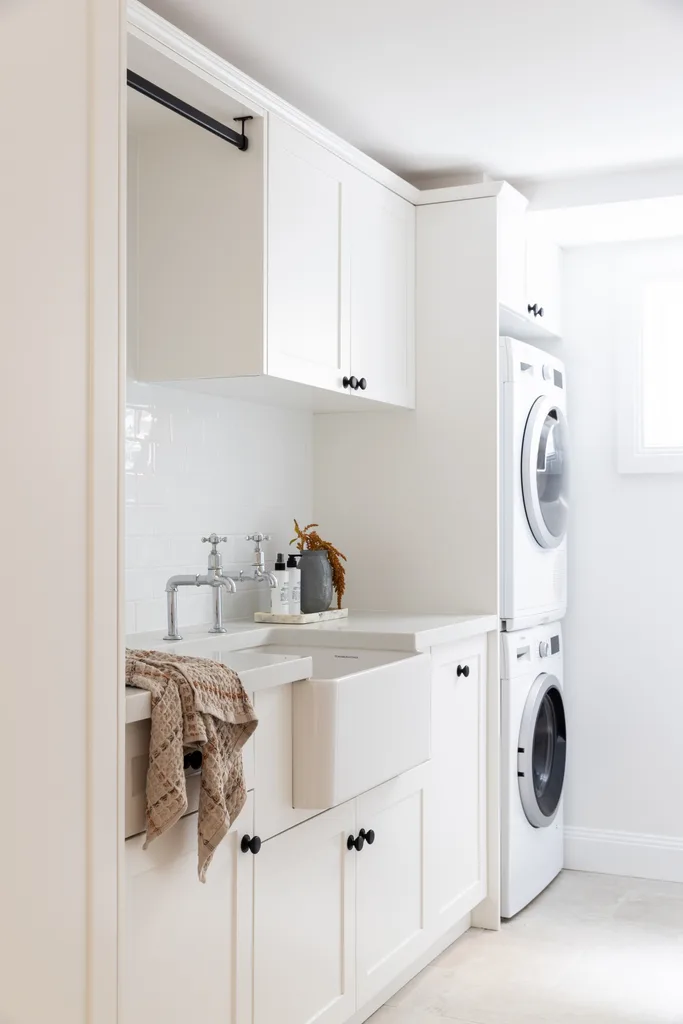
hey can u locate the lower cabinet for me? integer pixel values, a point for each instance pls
(188, 946)
(304, 907)
(391, 914)
(456, 833)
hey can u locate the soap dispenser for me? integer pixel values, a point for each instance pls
(279, 595)
(294, 585)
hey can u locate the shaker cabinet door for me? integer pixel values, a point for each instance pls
(188, 945)
(304, 905)
(382, 292)
(308, 331)
(392, 918)
(457, 812)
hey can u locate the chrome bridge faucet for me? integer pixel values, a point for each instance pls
(214, 578)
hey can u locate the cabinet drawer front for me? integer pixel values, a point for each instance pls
(304, 902)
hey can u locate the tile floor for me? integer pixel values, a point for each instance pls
(592, 948)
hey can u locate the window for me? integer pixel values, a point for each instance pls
(652, 413)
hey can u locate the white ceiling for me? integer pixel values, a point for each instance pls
(526, 89)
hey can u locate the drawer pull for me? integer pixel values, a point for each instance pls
(356, 844)
(368, 836)
(249, 845)
(463, 670)
(193, 760)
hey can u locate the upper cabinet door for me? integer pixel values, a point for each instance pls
(543, 280)
(512, 250)
(382, 292)
(307, 315)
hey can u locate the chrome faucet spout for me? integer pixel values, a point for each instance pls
(213, 578)
(264, 574)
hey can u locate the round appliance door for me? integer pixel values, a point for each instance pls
(544, 472)
(542, 751)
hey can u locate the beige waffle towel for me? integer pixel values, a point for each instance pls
(197, 704)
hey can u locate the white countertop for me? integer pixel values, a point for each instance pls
(257, 671)
(371, 630)
(238, 646)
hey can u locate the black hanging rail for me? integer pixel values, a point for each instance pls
(166, 99)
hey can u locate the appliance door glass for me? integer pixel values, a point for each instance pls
(545, 464)
(542, 751)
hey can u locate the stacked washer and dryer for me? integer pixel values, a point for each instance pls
(533, 599)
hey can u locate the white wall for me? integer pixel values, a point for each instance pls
(624, 635)
(59, 90)
(198, 463)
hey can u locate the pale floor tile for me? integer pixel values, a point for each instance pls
(592, 948)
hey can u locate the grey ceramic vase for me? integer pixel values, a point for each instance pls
(316, 582)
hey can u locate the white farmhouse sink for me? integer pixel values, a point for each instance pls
(363, 718)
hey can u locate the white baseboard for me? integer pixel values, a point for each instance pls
(624, 853)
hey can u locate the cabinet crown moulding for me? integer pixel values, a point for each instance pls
(163, 37)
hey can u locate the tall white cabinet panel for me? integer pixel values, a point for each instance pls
(188, 945)
(456, 869)
(308, 330)
(391, 915)
(304, 902)
(382, 292)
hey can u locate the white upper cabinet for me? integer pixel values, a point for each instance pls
(543, 269)
(278, 273)
(528, 272)
(382, 292)
(308, 260)
(512, 250)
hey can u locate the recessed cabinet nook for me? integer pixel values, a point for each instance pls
(296, 271)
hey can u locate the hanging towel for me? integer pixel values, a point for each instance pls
(197, 704)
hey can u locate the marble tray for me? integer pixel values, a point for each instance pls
(303, 619)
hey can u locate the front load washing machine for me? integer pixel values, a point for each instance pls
(533, 492)
(533, 758)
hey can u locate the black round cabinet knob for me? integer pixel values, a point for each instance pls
(356, 844)
(368, 836)
(346, 381)
(532, 309)
(541, 311)
(362, 383)
(463, 670)
(250, 845)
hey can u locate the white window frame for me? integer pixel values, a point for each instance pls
(633, 455)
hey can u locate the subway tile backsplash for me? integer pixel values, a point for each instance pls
(197, 463)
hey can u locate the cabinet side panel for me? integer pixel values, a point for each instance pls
(200, 271)
(412, 497)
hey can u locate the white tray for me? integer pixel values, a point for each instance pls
(301, 620)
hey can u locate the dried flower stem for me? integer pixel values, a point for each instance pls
(309, 539)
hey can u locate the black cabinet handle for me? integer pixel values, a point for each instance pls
(356, 844)
(532, 309)
(368, 836)
(346, 381)
(350, 382)
(362, 383)
(463, 670)
(541, 311)
(249, 845)
(193, 760)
